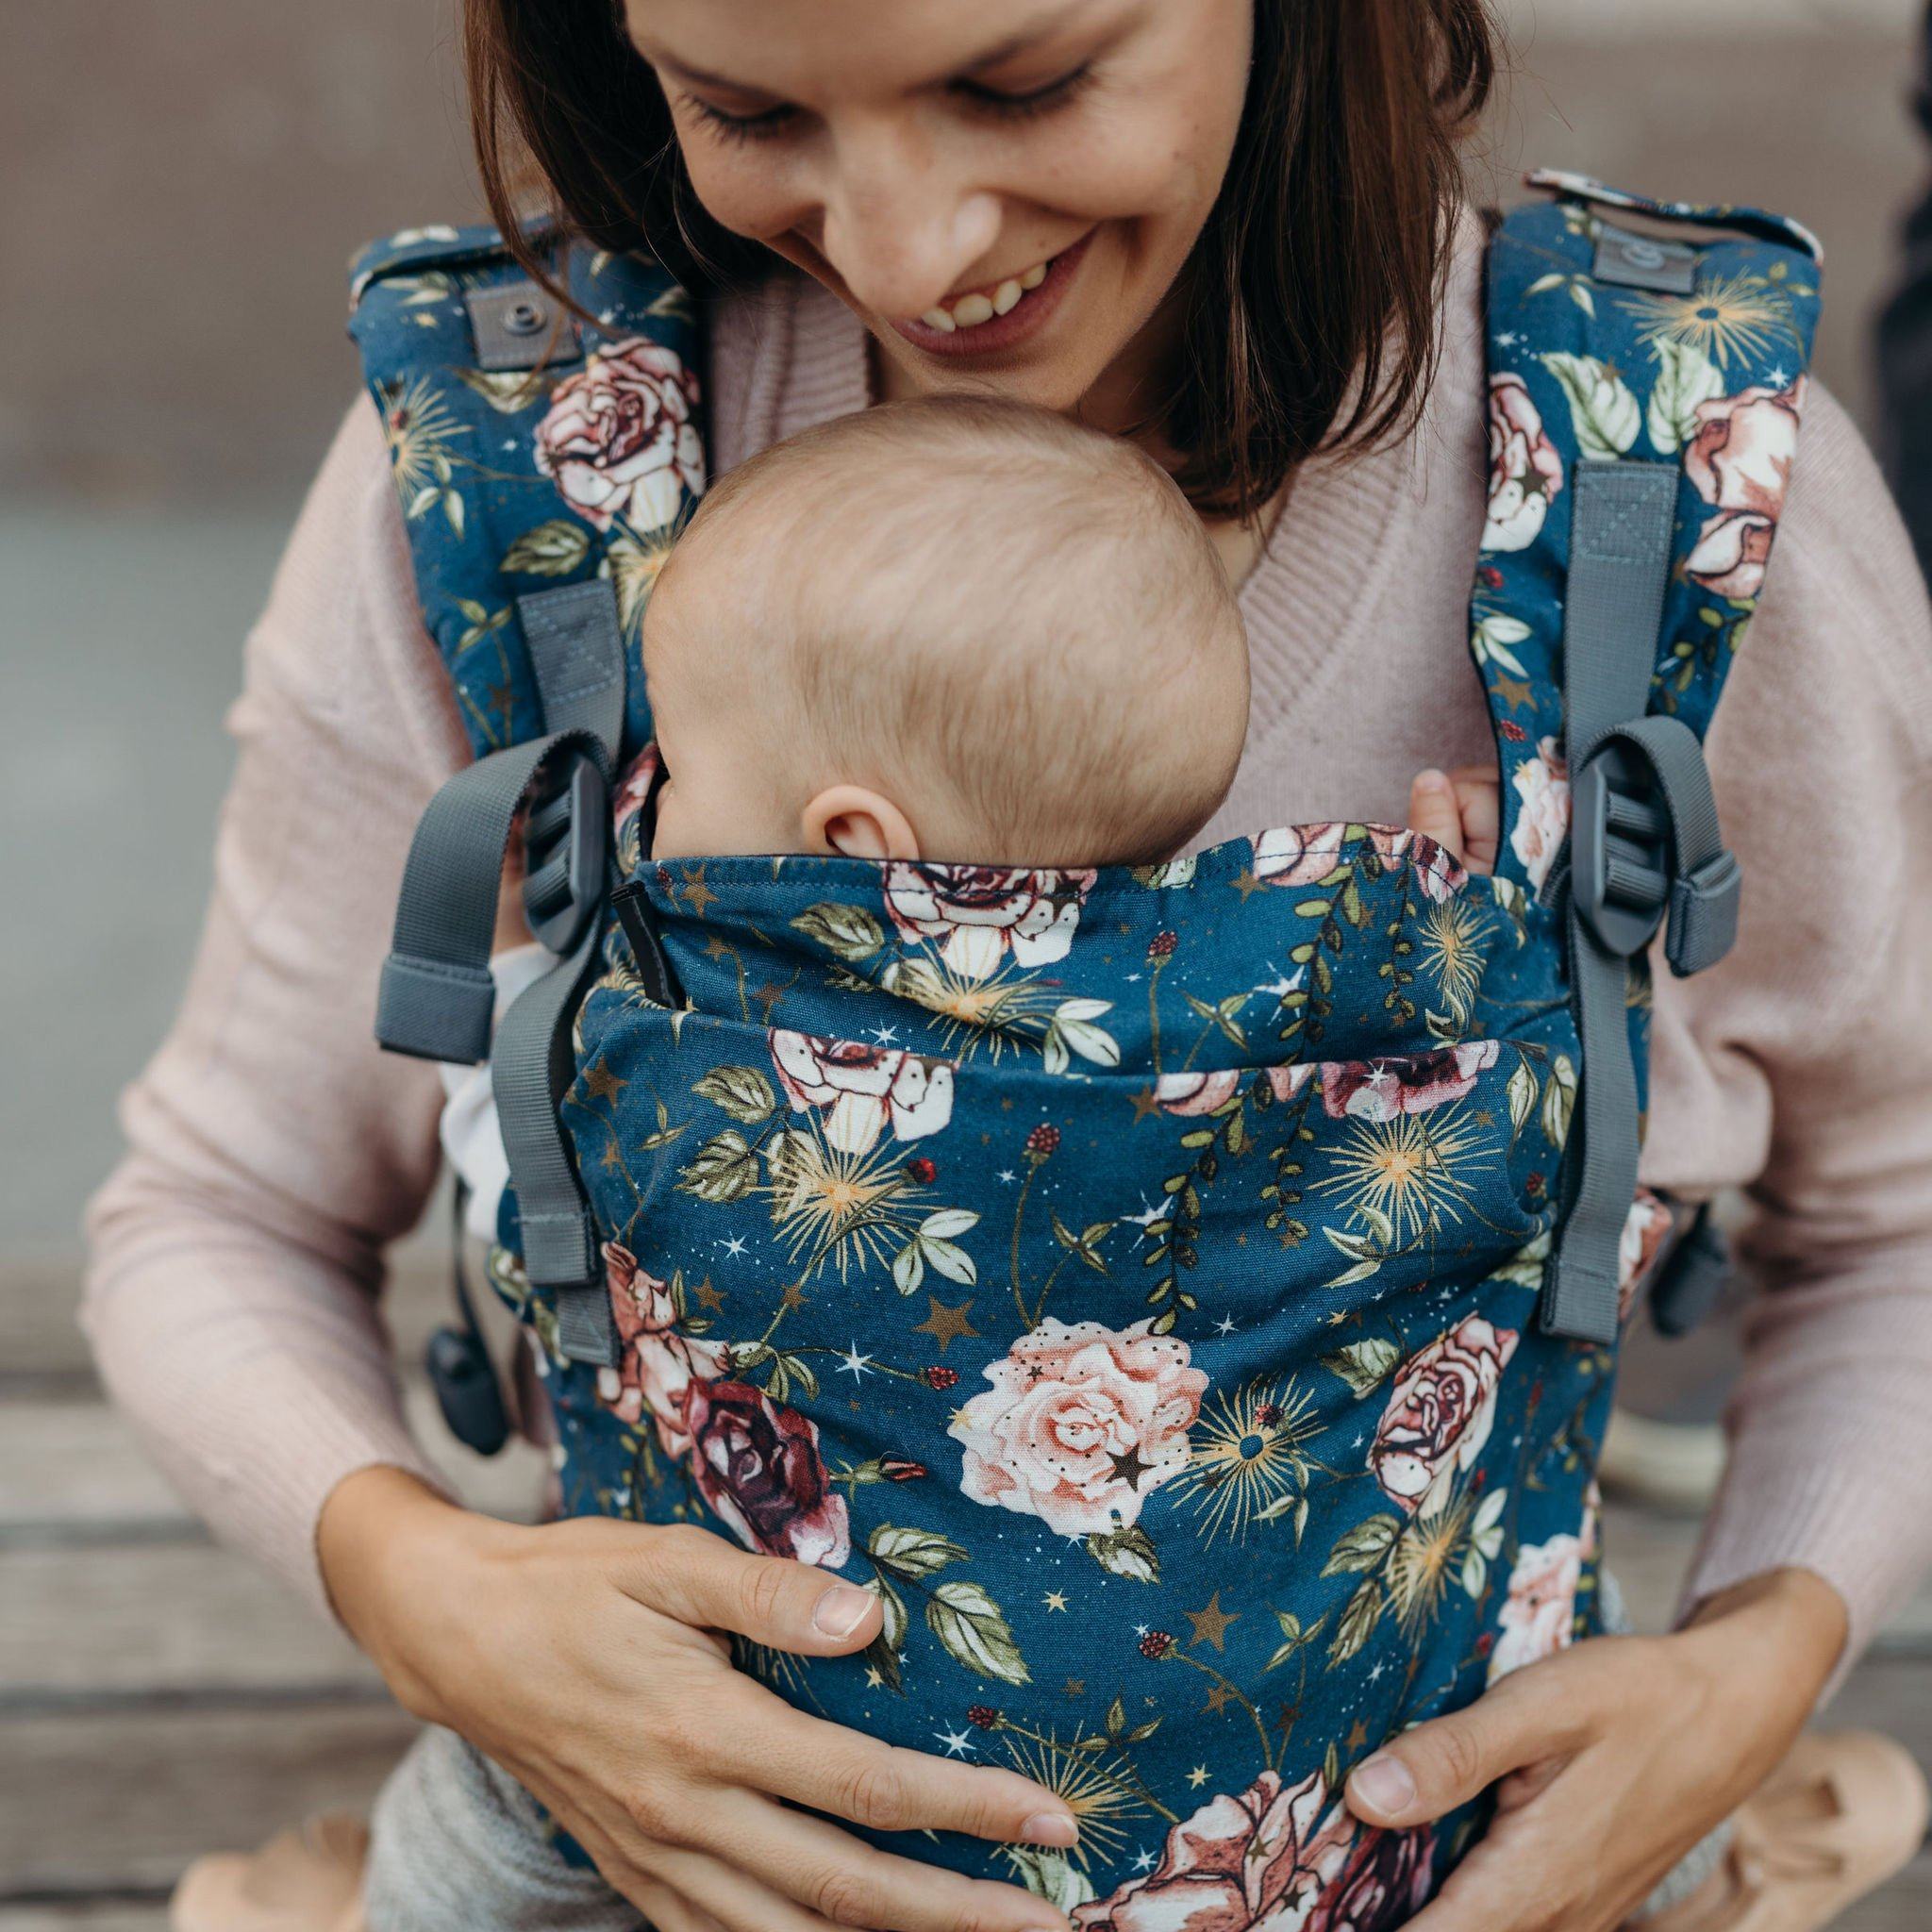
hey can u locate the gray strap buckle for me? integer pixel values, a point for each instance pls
(1645, 848)
(566, 849)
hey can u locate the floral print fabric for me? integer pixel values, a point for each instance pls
(1130, 1277)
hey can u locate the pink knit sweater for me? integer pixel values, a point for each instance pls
(238, 1249)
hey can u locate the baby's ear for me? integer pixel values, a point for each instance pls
(857, 823)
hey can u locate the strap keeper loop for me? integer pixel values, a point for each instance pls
(1703, 922)
(435, 1009)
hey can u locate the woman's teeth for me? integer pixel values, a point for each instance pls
(969, 311)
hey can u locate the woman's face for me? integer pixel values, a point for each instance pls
(1004, 191)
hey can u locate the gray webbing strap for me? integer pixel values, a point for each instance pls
(1620, 557)
(437, 996)
(529, 1072)
(576, 651)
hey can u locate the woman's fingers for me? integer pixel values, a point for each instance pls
(831, 1769)
(1540, 1713)
(698, 1579)
(835, 1877)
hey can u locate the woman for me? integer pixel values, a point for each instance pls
(1248, 214)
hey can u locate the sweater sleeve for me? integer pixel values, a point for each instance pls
(272, 1150)
(1819, 1026)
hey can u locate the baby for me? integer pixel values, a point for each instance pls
(959, 630)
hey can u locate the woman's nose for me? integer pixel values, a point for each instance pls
(899, 232)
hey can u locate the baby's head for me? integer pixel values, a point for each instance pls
(951, 629)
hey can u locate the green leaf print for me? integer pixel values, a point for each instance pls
(743, 1092)
(975, 1632)
(723, 1170)
(1358, 1621)
(1606, 414)
(1363, 1364)
(550, 550)
(1559, 1100)
(1126, 1552)
(911, 1553)
(1362, 1547)
(1522, 1094)
(847, 932)
(1686, 378)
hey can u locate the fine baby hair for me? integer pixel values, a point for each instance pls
(1013, 627)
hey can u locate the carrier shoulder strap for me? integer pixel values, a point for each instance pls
(1646, 377)
(543, 462)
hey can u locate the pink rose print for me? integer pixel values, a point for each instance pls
(1298, 855)
(862, 1091)
(1740, 460)
(979, 915)
(1644, 1229)
(1081, 1423)
(757, 1466)
(1291, 856)
(633, 787)
(1384, 1884)
(1384, 1090)
(619, 440)
(1439, 1413)
(1249, 1862)
(1540, 1615)
(656, 1364)
(1525, 471)
(1543, 813)
(1187, 1095)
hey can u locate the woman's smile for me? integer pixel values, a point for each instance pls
(998, 315)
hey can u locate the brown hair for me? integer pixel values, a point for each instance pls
(1309, 305)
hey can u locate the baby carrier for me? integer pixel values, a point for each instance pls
(1187, 1296)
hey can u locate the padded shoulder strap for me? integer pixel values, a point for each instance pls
(542, 466)
(1645, 391)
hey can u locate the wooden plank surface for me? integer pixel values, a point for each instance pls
(116, 1804)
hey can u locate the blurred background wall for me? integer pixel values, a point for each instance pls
(182, 185)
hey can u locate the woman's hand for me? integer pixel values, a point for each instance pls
(1612, 1758)
(586, 1659)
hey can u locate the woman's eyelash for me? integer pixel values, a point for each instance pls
(1040, 100)
(741, 127)
(1004, 107)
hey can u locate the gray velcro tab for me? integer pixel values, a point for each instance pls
(1641, 261)
(520, 326)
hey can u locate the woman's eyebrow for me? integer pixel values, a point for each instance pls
(1041, 28)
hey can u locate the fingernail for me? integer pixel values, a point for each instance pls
(1050, 1828)
(839, 1611)
(1431, 778)
(1385, 1783)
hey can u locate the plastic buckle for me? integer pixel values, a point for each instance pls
(1620, 849)
(567, 848)
(1692, 1279)
(1703, 922)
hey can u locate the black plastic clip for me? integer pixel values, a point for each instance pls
(1693, 1275)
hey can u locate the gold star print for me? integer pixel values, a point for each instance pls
(767, 996)
(698, 895)
(1359, 1737)
(1483, 1117)
(1515, 693)
(602, 1084)
(794, 1297)
(715, 948)
(710, 1297)
(1245, 883)
(614, 1159)
(1145, 1102)
(1055, 1600)
(944, 1324)
(1217, 1699)
(873, 1680)
(1210, 1625)
(1077, 1687)
(1198, 1777)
